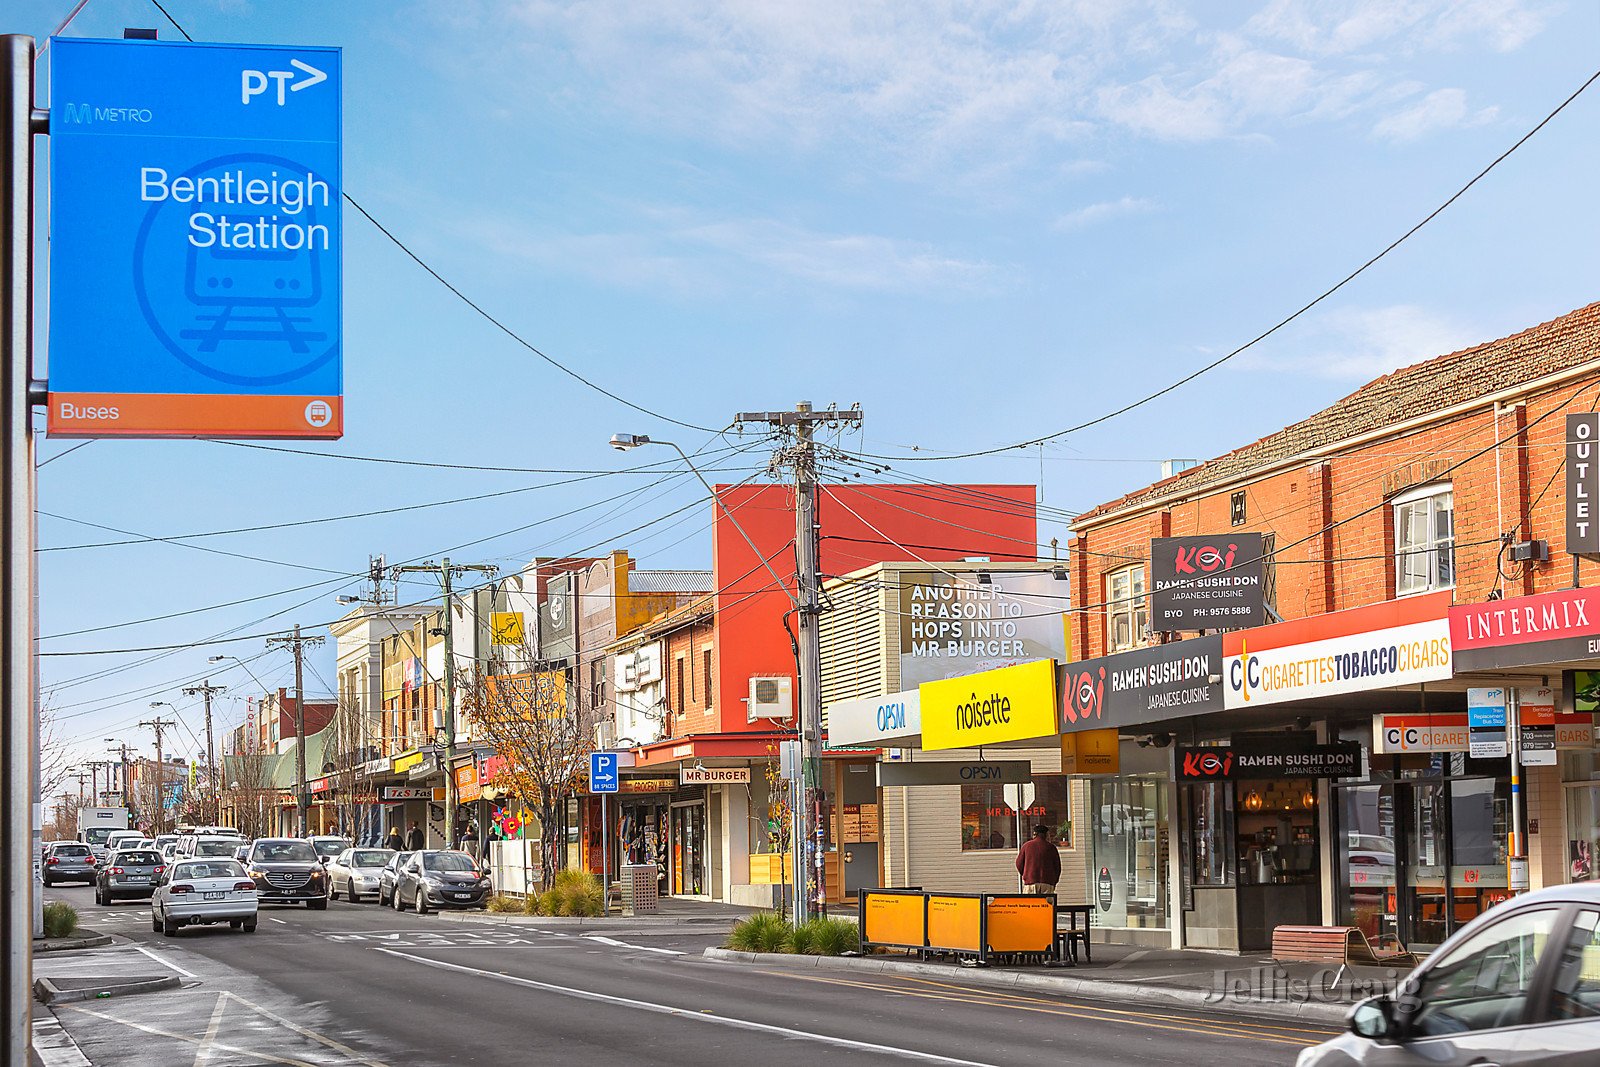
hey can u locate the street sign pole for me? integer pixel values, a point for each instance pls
(17, 678)
(605, 855)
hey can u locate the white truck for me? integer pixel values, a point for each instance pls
(97, 824)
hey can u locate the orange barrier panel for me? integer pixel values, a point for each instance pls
(898, 919)
(955, 923)
(1021, 924)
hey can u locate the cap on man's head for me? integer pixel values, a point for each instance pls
(1041, 830)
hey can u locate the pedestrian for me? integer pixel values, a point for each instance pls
(469, 840)
(414, 839)
(1039, 863)
(393, 840)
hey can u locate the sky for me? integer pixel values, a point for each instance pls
(982, 222)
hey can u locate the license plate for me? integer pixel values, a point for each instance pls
(462, 896)
(136, 878)
(213, 896)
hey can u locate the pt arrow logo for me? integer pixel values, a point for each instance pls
(253, 83)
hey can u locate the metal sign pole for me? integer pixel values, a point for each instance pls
(605, 855)
(17, 729)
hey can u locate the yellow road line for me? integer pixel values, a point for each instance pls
(1089, 1012)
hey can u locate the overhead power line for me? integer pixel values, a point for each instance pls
(1263, 335)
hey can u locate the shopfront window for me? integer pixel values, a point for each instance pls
(1209, 819)
(988, 821)
(1129, 819)
(1583, 815)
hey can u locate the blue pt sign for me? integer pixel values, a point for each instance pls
(195, 240)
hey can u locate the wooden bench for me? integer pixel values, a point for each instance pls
(1343, 945)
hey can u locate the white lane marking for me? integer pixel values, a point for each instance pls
(303, 1032)
(683, 1013)
(158, 1032)
(280, 922)
(204, 1051)
(165, 962)
(624, 944)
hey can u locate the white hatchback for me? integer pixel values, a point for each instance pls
(203, 892)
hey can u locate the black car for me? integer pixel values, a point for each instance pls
(440, 878)
(287, 870)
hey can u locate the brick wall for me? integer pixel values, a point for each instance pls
(1334, 525)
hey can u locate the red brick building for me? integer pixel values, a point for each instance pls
(1390, 521)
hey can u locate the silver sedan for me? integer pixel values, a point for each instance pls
(355, 872)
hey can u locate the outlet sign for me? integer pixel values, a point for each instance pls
(195, 240)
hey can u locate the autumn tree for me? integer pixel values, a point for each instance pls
(247, 788)
(542, 742)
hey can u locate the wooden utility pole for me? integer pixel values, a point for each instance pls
(206, 689)
(159, 725)
(297, 644)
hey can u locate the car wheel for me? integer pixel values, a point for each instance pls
(234, 924)
(169, 928)
(155, 921)
(49, 880)
(333, 889)
(249, 926)
(318, 905)
(395, 899)
(353, 896)
(422, 901)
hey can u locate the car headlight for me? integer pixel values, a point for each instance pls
(434, 880)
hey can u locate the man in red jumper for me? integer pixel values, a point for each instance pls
(1039, 863)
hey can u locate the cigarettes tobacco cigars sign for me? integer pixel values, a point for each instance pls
(1398, 642)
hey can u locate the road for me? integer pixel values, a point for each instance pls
(358, 984)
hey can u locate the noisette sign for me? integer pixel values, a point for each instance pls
(1006, 704)
(195, 236)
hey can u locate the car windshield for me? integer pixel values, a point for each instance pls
(399, 859)
(165, 839)
(72, 850)
(137, 859)
(370, 857)
(449, 861)
(285, 852)
(96, 835)
(330, 846)
(214, 848)
(209, 869)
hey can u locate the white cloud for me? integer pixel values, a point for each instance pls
(1442, 109)
(1360, 344)
(1342, 27)
(694, 257)
(1092, 214)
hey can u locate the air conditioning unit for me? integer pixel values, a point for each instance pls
(605, 735)
(771, 698)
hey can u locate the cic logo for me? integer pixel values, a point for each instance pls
(1244, 673)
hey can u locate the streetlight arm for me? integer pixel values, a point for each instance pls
(626, 441)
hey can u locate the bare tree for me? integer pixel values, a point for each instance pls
(53, 756)
(543, 743)
(347, 751)
(63, 824)
(247, 787)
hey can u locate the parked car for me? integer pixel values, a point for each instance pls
(328, 846)
(69, 861)
(440, 878)
(202, 892)
(129, 872)
(169, 851)
(355, 871)
(242, 853)
(390, 875)
(287, 870)
(1520, 984)
(163, 840)
(206, 846)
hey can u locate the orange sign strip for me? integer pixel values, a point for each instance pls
(194, 415)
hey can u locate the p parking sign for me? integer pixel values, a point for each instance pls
(195, 214)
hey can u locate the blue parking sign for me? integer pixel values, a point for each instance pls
(195, 253)
(603, 777)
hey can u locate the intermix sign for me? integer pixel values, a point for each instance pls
(195, 222)
(1399, 642)
(1207, 583)
(1545, 628)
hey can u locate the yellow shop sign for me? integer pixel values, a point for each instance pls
(1006, 704)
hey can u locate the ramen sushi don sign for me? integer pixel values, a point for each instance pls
(195, 195)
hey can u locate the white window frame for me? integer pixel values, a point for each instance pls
(1432, 548)
(1130, 602)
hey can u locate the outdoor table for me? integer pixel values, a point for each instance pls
(1067, 939)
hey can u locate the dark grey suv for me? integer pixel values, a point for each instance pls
(287, 870)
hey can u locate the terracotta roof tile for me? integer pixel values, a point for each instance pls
(1569, 341)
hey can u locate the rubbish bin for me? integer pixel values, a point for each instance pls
(639, 887)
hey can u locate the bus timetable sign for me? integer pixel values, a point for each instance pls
(195, 285)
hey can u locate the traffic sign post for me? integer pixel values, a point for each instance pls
(604, 779)
(195, 212)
